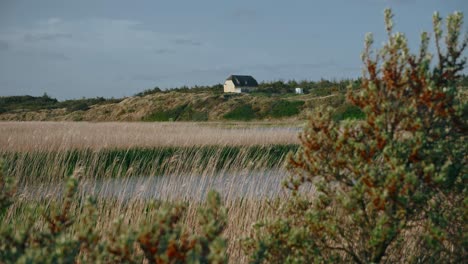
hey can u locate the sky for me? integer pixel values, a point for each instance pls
(113, 48)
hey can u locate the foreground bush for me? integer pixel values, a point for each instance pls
(60, 237)
(392, 187)
(347, 111)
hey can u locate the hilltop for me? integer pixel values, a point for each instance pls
(272, 101)
(179, 106)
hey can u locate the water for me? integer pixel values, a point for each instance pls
(231, 185)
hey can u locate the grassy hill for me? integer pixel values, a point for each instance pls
(177, 106)
(272, 101)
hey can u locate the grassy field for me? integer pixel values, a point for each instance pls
(132, 167)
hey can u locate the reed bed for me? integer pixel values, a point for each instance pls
(170, 175)
(130, 167)
(249, 182)
(48, 136)
(116, 163)
(248, 194)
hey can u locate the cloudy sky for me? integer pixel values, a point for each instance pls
(113, 48)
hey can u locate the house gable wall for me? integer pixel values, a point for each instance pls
(229, 87)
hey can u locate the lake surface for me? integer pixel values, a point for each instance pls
(231, 185)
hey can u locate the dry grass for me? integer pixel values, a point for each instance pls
(29, 136)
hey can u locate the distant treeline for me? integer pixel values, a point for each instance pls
(322, 87)
(317, 88)
(34, 103)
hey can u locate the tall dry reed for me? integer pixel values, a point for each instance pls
(27, 136)
(239, 162)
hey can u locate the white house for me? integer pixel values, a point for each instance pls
(299, 90)
(240, 84)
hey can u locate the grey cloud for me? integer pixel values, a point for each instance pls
(163, 51)
(46, 36)
(244, 13)
(56, 56)
(52, 21)
(44, 55)
(3, 45)
(187, 42)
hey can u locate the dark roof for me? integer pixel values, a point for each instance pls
(243, 80)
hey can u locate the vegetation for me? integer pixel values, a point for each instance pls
(25, 107)
(123, 183)
(50, 137)
(178, 106)
(123, 178)
(216, 89)
(275, 99)
(278, 109)
(118, 163)
(243, 112)
(390, 188)
(348, 111)
(317, 88)
(163, 240)
(322, 87)
(180, 113)
(168, 115)
(12, 103)
(283, 108)
(380, 179)
(280, 87)
(31, 103)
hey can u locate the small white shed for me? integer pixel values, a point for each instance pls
(299, 90)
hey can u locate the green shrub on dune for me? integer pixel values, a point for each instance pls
(242, 112)
(283, 108)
